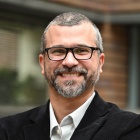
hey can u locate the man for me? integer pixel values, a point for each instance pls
(71, 60)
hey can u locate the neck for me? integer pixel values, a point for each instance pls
(63, 106)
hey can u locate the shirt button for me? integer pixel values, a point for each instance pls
(58, 131)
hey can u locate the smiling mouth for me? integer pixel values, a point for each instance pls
(70, 74)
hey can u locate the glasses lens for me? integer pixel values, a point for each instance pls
(56, 53)
(82, 52)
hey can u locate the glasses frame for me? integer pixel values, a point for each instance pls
(71, 49)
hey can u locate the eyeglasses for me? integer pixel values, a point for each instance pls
(79, 53)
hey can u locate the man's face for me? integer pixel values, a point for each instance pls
(71, 77)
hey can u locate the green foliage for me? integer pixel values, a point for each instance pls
(8, 83)
(31, 92)
(28, 92)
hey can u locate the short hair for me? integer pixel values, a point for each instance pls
(71, 19)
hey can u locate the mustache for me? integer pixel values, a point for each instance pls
(82, 71)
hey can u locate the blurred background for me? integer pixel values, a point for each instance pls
(22, 23)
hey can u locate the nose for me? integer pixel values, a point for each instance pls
(70, 61)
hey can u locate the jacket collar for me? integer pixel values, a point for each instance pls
(94, 117)
(40, 127)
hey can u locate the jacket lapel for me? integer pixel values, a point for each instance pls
(40, 128)
(93, 119)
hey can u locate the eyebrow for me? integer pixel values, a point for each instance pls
(78, 45)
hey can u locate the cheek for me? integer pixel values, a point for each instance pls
(50, 67)
(91, 67)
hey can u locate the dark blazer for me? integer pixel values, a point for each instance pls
(102, 121)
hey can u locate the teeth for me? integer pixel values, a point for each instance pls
(70, 74)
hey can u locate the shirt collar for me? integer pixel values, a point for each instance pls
(53, 121)
(76, 118)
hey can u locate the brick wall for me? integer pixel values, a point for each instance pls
(114, 79)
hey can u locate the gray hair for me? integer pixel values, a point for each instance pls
(71, 19)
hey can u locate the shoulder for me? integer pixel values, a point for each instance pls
(118, 113)
(121, 124)
(24, 116)
(113, 112)
(118, 116)
(127, 122)
(12, 125)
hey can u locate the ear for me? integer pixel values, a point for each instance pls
(41, 62)
(101, 61)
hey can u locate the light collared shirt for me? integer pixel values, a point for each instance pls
(65, 129)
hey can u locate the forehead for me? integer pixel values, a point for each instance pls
(83, 33)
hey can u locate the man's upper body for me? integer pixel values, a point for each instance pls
(71, 60)
(101, 121)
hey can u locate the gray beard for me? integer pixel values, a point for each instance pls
(70, 88)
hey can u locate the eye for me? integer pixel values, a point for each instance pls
(57, 51)
(82, 51)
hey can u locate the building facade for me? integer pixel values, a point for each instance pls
(21, 27)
